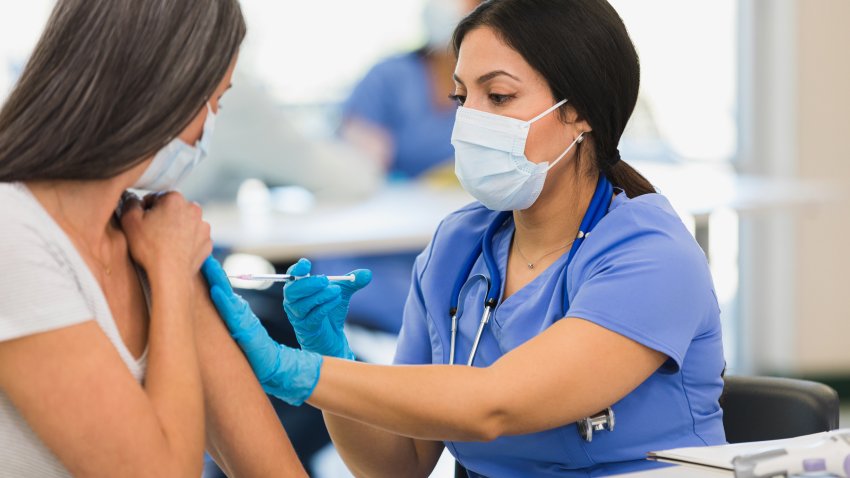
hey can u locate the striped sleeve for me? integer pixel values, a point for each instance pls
(39, 291)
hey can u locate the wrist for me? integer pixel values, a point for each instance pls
(167, 277)
(171, 286)
(296, 376)
(325, 343)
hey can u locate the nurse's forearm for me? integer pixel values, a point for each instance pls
(554, 379)
(368, 451)
(433, 402)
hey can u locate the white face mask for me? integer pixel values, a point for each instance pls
(490, 159)
(177, 159)
(441, 17)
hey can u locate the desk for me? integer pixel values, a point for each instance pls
(397, 218)
(404, 217)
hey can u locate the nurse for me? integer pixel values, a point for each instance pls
(575, 287)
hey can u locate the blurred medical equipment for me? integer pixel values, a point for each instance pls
(828, 457)
(255, 139)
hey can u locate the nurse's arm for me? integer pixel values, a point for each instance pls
(572, 370)
(243, 433)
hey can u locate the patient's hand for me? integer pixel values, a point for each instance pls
(166, 235)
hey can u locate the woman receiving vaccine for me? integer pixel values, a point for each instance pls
(113, 361)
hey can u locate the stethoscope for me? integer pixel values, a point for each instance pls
(597, 209)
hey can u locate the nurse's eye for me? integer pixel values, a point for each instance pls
(498, 99)
(459, 99)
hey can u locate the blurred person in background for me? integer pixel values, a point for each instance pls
(401, 116)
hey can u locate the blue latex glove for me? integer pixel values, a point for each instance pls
(317, 309)
(289, 374)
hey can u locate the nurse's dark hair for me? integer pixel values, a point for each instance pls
(582, 49)
(110, 82)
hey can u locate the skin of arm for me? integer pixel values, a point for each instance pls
(372, 452)
(243, 433)
(78, 396)
(523, 392)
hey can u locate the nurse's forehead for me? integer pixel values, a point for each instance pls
(483, 51)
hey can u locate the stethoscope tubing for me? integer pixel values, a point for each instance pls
(597, 209)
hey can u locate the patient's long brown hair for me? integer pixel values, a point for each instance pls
(112, 81)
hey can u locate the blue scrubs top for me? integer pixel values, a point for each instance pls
(639, 273)
(397, 95)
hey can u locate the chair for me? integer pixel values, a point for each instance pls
(770, 408)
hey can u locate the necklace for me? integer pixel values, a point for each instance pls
(105, 266)
(530, 264)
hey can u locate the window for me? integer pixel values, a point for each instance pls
(20, 27)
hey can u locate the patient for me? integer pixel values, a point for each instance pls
(112, 360)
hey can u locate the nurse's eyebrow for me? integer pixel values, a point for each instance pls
(489, 76)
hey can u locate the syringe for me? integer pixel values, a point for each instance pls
(287, 277)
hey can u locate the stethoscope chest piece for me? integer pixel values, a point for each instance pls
(603, 420)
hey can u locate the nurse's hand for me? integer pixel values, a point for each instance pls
(286, 373)
(317, 309)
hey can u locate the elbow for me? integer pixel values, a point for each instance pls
(489, 423)
(489, 410)
(483, 433)
(491, 427)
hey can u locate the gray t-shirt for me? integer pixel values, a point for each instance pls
(44, 285)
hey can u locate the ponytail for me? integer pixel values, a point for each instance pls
(628, 179)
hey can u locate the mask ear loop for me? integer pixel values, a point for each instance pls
(553, 108)
(579, 139)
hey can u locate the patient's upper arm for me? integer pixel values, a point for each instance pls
(244, 434)
(78, 396)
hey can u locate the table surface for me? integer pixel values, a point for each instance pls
(403, 217)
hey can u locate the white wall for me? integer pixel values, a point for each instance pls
(795, 122)
(822, 343)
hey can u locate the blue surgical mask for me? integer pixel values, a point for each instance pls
(490, 159)
(177, 159)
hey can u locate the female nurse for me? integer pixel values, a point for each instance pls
(575, 287)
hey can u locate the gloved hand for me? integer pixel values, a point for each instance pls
(289, 374)
(317, 309)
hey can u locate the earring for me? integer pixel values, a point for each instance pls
(580, 138)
